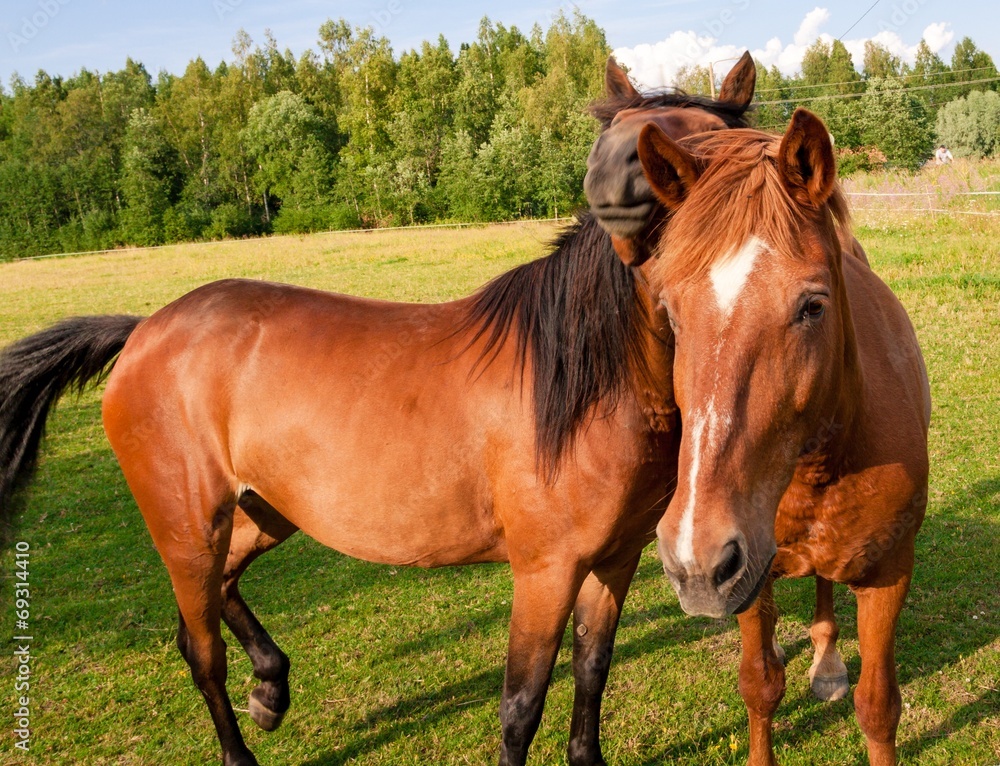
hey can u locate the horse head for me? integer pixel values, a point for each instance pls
(749, 271)
(616, 188)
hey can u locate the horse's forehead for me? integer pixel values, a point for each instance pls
(756, 275)
(730, 274)
(676, 121)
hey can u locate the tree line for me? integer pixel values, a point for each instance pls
(345, 136)
(350, 135)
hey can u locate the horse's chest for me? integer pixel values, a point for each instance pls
(824, 532)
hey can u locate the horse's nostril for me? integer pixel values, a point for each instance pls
(732, 562)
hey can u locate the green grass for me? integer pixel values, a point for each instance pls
(405, 666)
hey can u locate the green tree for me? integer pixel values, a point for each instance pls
(147, 180)
(693, 78)
(284, 137)
(241, 85)
(897, 123)
(816, 64)
(880, 62)
(843, 76)
(424, 106)
(970, 125)
(500, 61)
(190, 110)
(929, 70)
(772, 86)
(458, 189)
(507, 169)
(969, 64)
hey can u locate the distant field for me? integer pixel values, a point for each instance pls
(965, 188)
(405, 667)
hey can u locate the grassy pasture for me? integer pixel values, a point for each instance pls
(404, 666)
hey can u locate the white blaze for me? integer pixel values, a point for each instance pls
(685, 537)
(729, 275)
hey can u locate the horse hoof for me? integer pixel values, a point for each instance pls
(244, 758)
(830, 688)
(262, 715)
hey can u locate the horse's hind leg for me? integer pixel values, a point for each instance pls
(595, 622)
(828, 674)
(193, 543)
(257, 528)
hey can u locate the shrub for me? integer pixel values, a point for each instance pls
(861, 160)
(185, 222)
(970, 125)
(230, 220)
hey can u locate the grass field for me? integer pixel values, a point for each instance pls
(404, 666)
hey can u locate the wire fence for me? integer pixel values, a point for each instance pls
(272, 237)
(934, 201)
(936, 198)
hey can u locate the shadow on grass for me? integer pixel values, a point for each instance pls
(412, 717)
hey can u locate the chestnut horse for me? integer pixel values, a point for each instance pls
(532, 422)
(805, 405)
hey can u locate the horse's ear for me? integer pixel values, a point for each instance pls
(669, 169)
(805, 160)
(616, 82)
(739, 84)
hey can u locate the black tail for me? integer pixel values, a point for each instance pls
(34, 373)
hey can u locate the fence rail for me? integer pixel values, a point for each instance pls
(931, 196)
(421, 227)
(269, 237)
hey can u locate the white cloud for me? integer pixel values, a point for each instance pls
(938, 36)
(657, 64)
(811, 25)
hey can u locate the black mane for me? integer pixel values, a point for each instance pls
(577, 313)
(734, 115)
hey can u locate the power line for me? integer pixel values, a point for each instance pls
(899, 77)
(859, 95)
(859, 20)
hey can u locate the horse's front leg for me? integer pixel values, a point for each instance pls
(543, 599)
(877, 700)
(762, 674)
(595, 622)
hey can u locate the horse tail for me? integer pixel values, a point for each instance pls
(36, 371)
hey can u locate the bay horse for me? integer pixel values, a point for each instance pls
(805, 407)
(532, 422)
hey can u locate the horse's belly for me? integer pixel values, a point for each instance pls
(405, 502)
(422, 532)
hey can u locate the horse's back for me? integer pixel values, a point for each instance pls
(352, 417)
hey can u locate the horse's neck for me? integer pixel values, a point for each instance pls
(654, 385)
(840, 428)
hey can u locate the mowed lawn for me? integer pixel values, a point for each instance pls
(396, 666)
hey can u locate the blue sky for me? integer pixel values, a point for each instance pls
(653, 38)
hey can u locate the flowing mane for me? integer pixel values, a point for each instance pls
(734, 115)
(577, 314)
(740, 189)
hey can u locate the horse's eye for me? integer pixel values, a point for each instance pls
(813, 310)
